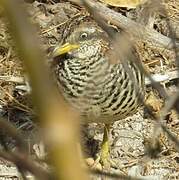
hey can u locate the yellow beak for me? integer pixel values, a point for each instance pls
(64, 49)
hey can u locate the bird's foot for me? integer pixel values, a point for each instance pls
(104, 157)
(104, 163)
(103, 160)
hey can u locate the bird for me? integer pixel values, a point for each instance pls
(101, 91)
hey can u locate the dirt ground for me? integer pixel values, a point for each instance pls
(132, 137)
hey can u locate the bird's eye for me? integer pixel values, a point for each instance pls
(84, 35)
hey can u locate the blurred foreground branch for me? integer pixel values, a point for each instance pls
(11, 131)
(25, 163)
(60, 124)
(20, 158)
(138, 30)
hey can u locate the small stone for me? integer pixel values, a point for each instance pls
(98, 167)
(89, 161)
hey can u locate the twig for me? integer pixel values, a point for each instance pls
(25, 163)
(12, 132)
(114, 175)
(14, 79)
(58, 25)
(21, 106)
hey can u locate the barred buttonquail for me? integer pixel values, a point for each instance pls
(102, 92)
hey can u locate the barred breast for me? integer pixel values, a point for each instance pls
(100, 91)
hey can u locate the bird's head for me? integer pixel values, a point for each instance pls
(85, 41)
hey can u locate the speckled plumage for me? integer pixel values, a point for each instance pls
(101, 91)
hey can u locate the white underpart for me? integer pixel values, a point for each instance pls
(85, 51)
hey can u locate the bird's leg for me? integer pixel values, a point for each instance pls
(104, 156)
(105, 147)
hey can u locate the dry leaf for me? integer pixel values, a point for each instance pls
(123, 3)
(174, 117)
(153, 102)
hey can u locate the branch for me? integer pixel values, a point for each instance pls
(139, 31)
